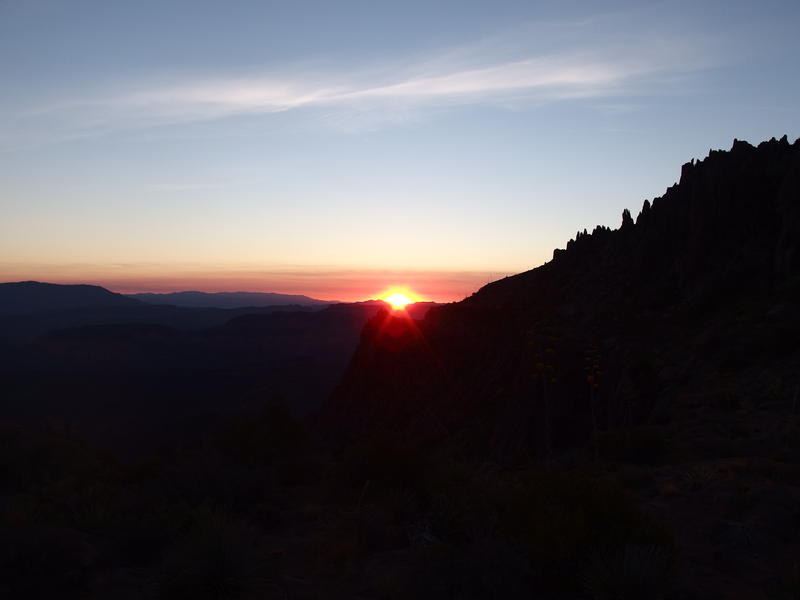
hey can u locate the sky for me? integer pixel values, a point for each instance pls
(336, 149)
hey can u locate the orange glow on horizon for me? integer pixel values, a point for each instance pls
(343, 284)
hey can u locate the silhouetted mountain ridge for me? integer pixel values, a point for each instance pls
(662, 355)
(730, 223)
(193, 299)
(707, 274)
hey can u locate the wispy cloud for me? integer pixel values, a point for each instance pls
(551, 77)
(479, 75)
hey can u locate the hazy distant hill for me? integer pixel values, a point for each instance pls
(16, 328)
(228, 299)
(136, 370)
(27, 297)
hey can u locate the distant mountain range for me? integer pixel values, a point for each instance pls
(28, 297)
(64, 347)
(193, 299)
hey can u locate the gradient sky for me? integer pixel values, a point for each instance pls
(337, 148)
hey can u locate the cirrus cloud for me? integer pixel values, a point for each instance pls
(624, 66)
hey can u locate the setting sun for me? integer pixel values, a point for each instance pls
(399, 298)
(398, 301)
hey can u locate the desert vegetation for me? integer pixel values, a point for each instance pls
(265, 508)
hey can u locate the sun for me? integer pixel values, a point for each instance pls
(399, 298)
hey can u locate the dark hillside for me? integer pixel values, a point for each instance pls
(140, 376)
(663, 355)
(707, 275)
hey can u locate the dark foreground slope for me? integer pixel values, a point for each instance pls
(664, 355)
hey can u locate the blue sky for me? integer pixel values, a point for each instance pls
(333, 148)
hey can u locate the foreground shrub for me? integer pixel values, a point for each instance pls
(32, 456)
(261, 438)
(43, 562)
(639, 446)
(479, 571)
(561, 521)
(381, 466)
(219, 559)
(629, 573)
